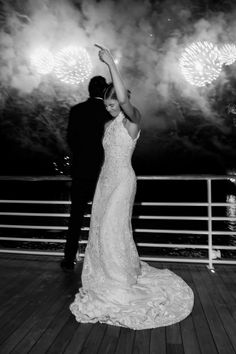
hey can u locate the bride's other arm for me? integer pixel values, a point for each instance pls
(121, 91)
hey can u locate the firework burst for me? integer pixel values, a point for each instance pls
(72, 65)
(200, 63)
(228, 54)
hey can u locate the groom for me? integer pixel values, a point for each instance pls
(84, 136)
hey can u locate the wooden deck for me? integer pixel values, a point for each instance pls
(34, 315)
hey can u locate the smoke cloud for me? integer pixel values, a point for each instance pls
(146, 38)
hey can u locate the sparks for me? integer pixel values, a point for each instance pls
(72, 65)
(117, 57)
(200, 63)
(228, 54)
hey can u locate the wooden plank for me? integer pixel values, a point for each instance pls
(203, 333)
(23, 298)
(180, 336)
(228, 296)
(28, 314)
(34, 325)
(188, 331)
(28, 262)
(110, 340)
(174, 340)
(21, 325)
(78, 339)
(64, 337)
(224, 313)
(12, 283)
(20, 280)
(158, 340)
(11, 275)
(51, 328)
(215, 324)
(142, 341)
(19, 299)
(7, 276)
(94, 339)
(46, 304)
(158, 335)
(228, 279)
(51, 331)
(24, 273)
(189, 337)
(125, 341)
(30, 331)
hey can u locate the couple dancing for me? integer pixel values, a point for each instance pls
(118, 288)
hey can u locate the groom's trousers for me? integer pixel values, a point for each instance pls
(82, 192)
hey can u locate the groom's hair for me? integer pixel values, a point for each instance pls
(97, 86)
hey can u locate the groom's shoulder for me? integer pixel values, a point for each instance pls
(89, 109)
(89, 104)
(80, 105)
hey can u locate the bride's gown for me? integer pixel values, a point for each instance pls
(117, 288)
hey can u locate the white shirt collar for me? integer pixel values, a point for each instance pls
(98, 98)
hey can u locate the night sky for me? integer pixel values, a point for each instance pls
(185, 129)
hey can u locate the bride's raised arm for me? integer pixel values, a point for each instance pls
(121, 91)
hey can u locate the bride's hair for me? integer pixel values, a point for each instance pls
(110, 92)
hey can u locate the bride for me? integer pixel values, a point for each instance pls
(118, 288)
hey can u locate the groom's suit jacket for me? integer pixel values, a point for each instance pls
(84, 136)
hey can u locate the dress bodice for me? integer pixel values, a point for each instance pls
(117, 142)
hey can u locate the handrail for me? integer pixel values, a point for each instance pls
(65, 178)
(19, 201)
(209, 204)
(147, 217)
(68, 202)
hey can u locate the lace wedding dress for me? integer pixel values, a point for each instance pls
(117, 288)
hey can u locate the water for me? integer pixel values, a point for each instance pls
(231, 212)
(189, 192)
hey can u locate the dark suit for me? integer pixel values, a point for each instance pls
(85, 132)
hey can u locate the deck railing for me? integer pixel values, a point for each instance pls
(210, 233)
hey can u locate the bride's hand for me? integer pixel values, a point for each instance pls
(105, 55)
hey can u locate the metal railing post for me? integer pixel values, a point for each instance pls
(209, 201)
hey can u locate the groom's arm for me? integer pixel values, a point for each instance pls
(69, 136)
(74, 128)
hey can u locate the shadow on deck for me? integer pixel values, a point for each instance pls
(34, 315)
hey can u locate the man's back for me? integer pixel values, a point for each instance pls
(85, 132)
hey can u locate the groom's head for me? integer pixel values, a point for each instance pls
(97, 86)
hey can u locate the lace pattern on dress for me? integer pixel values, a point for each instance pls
(117, 288)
